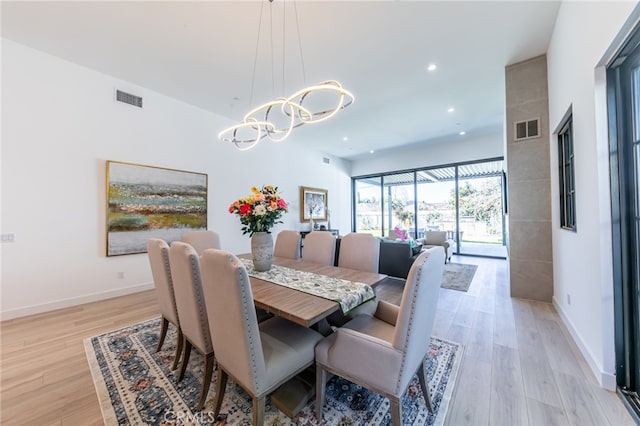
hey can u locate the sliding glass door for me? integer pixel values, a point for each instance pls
(480, 216)
(399, 204)
(623, 79)
(437, 201)
(465, 200)
(367, 200)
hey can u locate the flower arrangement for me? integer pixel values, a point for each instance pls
(259, 211)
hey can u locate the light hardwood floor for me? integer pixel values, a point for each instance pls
(519, 365)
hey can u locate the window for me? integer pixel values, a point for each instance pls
(623, 81)
(462, 199)
(566, 176)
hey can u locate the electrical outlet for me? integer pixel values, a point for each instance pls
(568, 299)
(8, 238)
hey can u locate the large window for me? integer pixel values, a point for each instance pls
(463, 199)
(367, 196)
(436, 201)
(566, 176)
(399, 202)
(623, 81)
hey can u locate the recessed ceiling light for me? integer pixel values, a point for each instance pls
(462, 133)
(345, 138)
(431, 67)
(451, 109)
(371, 152)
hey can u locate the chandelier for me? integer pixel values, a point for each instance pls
(277, 119)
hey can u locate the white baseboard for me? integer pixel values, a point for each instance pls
(74, 301)
(605, 380)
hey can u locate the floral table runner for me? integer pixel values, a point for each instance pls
(349, 294)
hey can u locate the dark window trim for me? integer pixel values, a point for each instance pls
(625, 283)
(419, 169)
(566, 174)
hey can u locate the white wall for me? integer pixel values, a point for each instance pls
(59, 126)
(431, 154)
(584, 31)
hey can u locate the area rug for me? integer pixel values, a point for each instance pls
(136, 386)
(458, 276)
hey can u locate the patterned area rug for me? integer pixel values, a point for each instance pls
(136, 386)
(458, 276)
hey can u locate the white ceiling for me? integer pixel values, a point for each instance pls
(202, 52)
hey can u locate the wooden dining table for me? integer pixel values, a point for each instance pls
(297, 306)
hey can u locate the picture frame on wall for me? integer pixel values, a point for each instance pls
(152, 202)
(314, 204)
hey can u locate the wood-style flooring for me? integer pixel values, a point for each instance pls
(520, 367)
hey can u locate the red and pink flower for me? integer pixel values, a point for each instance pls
(259, 211)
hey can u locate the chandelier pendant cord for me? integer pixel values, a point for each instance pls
(292, 109)
(304, 73)
(255, 56)
(284, 44)
(273, 71)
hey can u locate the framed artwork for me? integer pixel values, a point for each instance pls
(151, 202)
(313, 204)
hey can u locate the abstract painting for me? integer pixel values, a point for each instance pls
(151, 202)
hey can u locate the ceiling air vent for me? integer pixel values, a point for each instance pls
(128, 98)
(326, 160)
(527, 129)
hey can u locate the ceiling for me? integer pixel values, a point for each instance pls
(203, 53)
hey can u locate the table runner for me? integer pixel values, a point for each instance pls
(349, 294)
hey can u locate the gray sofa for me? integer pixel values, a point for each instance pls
(396, 258)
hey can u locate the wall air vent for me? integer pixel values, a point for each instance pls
(527, 129)
(128, 98)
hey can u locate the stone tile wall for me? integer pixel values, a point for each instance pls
(528, 182)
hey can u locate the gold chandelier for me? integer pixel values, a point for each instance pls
(276, 119)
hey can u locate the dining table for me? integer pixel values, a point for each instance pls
(299, 306)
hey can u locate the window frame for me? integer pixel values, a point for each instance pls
(414, 171)
(566, 175)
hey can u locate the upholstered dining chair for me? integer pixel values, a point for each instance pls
(202, 240)
(287, 245)
(185, 269)
(158, 251)
(319, 247)
(259, 357)
(394, 342)
(359, 251)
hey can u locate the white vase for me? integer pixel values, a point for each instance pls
(262, 251)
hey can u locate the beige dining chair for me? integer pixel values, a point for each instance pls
(202, 240)
(394, 342)
(185, 269)
(359, 251)
(319, 247)
(158, 251)
(258, 357)
(287, 245)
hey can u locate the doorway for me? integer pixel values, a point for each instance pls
(465, 200)
(623, 86)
